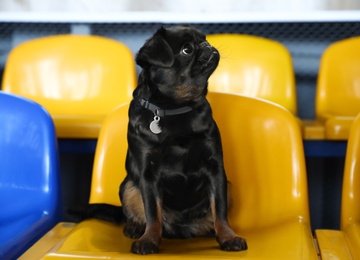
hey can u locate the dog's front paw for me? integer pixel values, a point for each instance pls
(144, 247)
(234, 244)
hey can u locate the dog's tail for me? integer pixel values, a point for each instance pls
(105, 212)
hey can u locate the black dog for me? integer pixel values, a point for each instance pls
(176, 184)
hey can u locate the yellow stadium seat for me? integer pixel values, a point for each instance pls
(345, 244)
(254, 66)
(265, 164)
(258, 67)
(350, 203)
(338, 88)
(78, 79)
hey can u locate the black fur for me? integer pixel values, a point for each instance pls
(175, 181)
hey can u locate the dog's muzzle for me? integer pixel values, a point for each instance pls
(209, 55)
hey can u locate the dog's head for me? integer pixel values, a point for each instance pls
(178, 62)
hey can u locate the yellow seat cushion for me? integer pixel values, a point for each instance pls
(332, 245)
(95, 239)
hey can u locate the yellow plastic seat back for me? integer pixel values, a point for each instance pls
(254, 66)
(350, 203)
(109, 164)
(78, 79)
(263, 154)
(338, 89)
(345, 243)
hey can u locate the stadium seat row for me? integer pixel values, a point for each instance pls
(80, 79)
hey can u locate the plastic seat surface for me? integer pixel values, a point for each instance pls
(345, 243)
(254, 66)
(338, 92)
(264, 161)
(29, 175)
(332, 245)
(78, 79)
(350, 210)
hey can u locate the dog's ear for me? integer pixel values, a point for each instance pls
(156, 51)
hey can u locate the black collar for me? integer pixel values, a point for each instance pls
(164, 112)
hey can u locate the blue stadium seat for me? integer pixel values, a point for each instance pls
(29, 175)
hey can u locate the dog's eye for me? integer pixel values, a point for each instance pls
(187, 49)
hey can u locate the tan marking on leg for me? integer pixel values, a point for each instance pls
(133, 203)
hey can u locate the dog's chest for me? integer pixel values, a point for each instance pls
(182, 155)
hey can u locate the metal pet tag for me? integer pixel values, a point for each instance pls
(154, 125)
